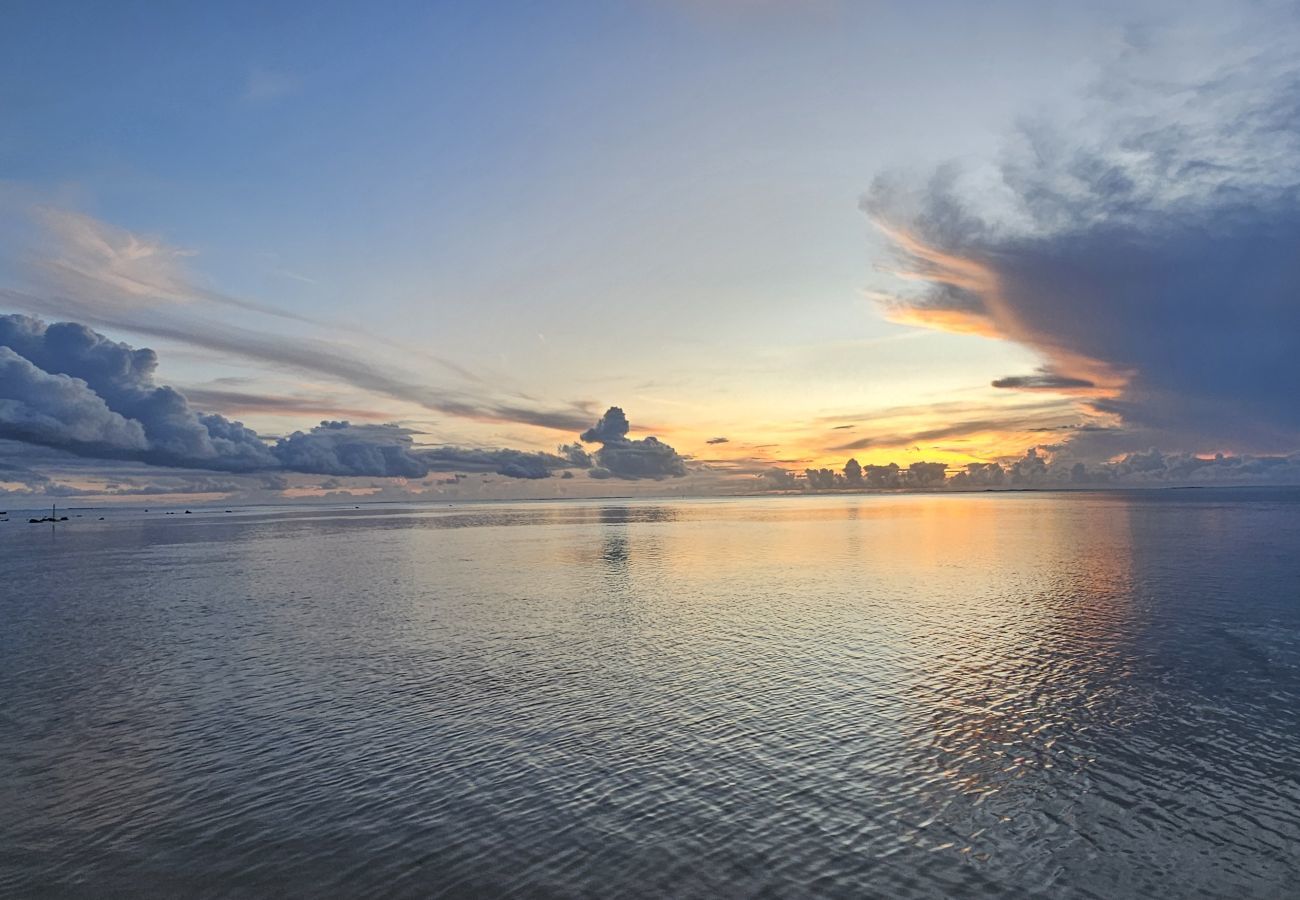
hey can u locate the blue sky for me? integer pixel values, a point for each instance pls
(673, 207)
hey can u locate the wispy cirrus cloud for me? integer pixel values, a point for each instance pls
(232, 402)
(112, 278)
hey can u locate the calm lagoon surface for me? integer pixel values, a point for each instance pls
(1025, 695)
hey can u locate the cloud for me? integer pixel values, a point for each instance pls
(67, 387)
(341, 448)
(612, 426)
(1037, 468)
(124, 269)
(1147, 254)
(227, 401)
(109, 277)
(779, 479)
(620, 457)
(1043, 381)
(41, 408)
(1049, 421)
(147, 422)
(319, 357)
(508, 462)
(717, 440)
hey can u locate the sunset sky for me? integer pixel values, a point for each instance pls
(775, 234)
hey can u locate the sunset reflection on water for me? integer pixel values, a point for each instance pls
(1087, 695)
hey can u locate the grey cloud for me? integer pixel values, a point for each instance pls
(508, 462)
(345, 449)
(621, 457)
(980, 475)
(341, 448)
(173, 486)
(41, 408)
(1042, 381)
(718, 440)
(67, 387)
(576, 455)
(228, 401)
(779, 479)
(612, 426)
(646, 458)
(1155, 258)
(164, 429)
(1035, 469)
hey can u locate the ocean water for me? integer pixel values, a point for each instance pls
(1029, 695)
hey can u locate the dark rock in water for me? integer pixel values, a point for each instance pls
(188, 513)
(101, 518)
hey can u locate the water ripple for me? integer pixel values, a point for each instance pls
(1031, 696)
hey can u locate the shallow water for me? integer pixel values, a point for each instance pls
(1090, 695)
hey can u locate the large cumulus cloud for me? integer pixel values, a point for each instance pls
(1152, 258)
(67, 387)
(42, 408)
(622, 457)
(168, 431)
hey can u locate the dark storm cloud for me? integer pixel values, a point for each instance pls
(621, 457)
(66, 387)
(1156, 259)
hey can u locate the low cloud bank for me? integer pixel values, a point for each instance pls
(67, 387)
(1044, 470)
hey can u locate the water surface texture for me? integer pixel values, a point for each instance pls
(1032, 695)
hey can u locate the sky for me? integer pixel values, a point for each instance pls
(406, 251)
